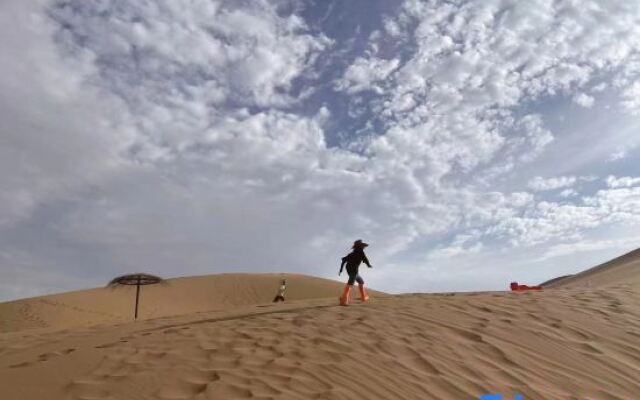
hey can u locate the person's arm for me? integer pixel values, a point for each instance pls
(366, 260)
(344, 261)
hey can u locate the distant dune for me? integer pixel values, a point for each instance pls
(176, 296)
(621, 270)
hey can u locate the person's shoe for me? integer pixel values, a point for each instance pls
(363, 293)
(344, 299)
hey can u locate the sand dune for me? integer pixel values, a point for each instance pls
(176, 296)
(219, 337)
(621, 270)
(554, 344)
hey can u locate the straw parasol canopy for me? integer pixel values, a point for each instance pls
(138, 279)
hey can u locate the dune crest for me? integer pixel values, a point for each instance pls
(174, 297)
(621, 270)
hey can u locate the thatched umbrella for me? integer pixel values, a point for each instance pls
(138, 279)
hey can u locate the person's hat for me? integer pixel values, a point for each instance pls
(359, 244)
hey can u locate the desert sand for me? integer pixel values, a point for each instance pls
(174, 297)
(570, 342)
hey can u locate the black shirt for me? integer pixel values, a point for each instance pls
(353, 260)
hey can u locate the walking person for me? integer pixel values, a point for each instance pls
(280, 295)
(352, 261)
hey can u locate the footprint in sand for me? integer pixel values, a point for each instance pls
(21, 365)
(188, 387)
(107, 345)
(44, 357)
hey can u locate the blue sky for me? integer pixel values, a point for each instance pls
(471, 143)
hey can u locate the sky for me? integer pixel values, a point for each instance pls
(471, 143)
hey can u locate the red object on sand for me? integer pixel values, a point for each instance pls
(521, 288)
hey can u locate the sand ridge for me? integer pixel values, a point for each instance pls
(623, 269)
(177, 296)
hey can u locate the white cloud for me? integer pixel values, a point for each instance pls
(560, 56)
(622, 182)
(462, 245)
(631, 98)
(568, 193)
(540, 184)
(170, 55)
(476, 61)
(618, 155)
(600, 87)
(87, 92)
(363, 74)
(471, 67)
(58, 135)
(549, 221)
(584, 100)
(583, 246)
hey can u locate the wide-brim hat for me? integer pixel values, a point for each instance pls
(359, 244)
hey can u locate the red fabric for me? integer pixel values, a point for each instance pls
(520, 288)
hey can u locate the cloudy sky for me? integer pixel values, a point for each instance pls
(472, 143)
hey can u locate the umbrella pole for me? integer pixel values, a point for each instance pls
(138, 280)
(137, 297)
